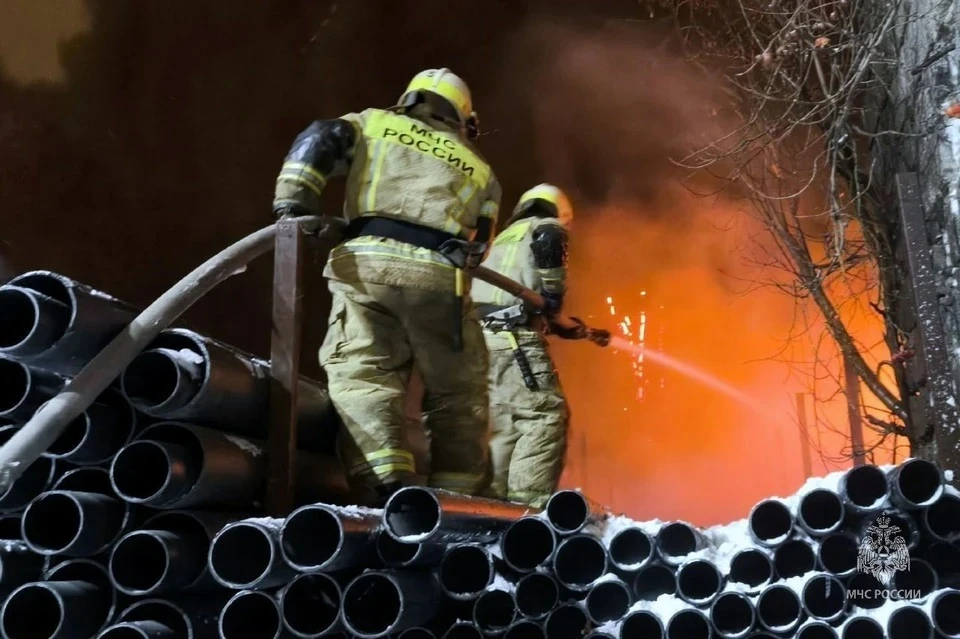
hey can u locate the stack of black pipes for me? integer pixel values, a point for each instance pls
(142, 522)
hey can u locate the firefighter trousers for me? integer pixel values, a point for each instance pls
(375, 335)
(528, 439)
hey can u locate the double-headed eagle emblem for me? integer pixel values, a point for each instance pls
(881, 553)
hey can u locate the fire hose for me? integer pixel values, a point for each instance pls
(49, 422)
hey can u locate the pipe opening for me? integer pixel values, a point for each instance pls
(778, 607)
(630, 548)
(141, 470)
(861, 583)
(371, 604)
(865, 486)
(944, 557)
(794, 558)
(688, 624)
(310, 605)
(903, 521)
(908, 623)
(824, 597)
(71, 438)
(34, 612)
(641, 625)
(821, 510)
(863, 628)
(751, 567)
(568, 621)
(943, 517)
(677, 540)
(31, 314)
(393, 552)
(466, 570)
(920, 579)
(137, 630)
(411, 514)
(771, 521)
(838, 553)
(653, 581)
(52, 521)
(139, 562)
(919, 481)
(607, 601)
(527, 543)
(732, 614)
(525, 630)
(250, 614)
(536, 595)
(816, 630)
(698, 581)
(416, 633)
(241, 555)
(311, 537)
(462, 630)
(494, 611)
(151, 379)
(10, 527)
(946, 614)
(162, 612)
(14, 384)
(567, 511)
(580, 560)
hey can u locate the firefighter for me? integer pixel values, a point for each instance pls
(528, 410)
(421, 205)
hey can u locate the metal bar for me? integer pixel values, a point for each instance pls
(284, 367)
(852, 390)
(941, 406)
(804, 435)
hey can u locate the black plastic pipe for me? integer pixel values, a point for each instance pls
(525, 629)
(862, 628)
(751, 569)
(138, 630)
(251, 613)
(837, 554)
(567, 621)
(527, 543)
(676, 540)
(419, 515)
(18, 565)
(641, 624)
(67, 323)
(310, 606)
(820, 512)
(396, 554)
(945, 612)
(654, 580)
(865, 591)
(779, 609)
(193, 617)
(794, 558)
(23, 389)
(941, 520)
(417, 633)
(733, 615)
(536, 594)
(465, 571)
(770, 523)
(699, 582)
(909, 622)
(816, 630)
(379, 603)
(631, 549)
(74, 601)
(863, 489)
(824, 597)
(580, 560)
(245, 554)
(76, 524)
(908, 528)
(184, 376)
(920, 581)
(329, 538)
(689, 623)
(91, 480)
(177, 466)
(463, 630)
(494, 611)
(10, 526)
(37, 478)
(945, 559)
(98, 433)
(915, 484)
(608, 600)
(569, 511)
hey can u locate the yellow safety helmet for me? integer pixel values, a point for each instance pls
(551, 195)
(447, 85)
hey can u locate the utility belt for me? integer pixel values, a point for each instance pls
(507, 320)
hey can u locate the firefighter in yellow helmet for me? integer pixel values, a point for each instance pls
(528, 410)
(421, 205)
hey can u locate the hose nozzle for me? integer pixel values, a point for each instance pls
(598, 336)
